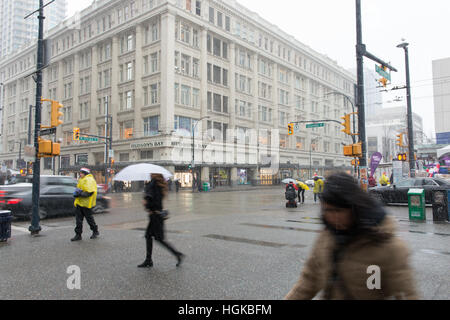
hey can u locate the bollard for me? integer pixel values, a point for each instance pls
(440, 205)
(5, 225)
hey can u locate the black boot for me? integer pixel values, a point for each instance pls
(180, 258)
(146, 264)
(76, 238)
(95, 234)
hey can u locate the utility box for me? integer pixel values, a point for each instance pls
(416, 204)
(440, 201)
(5, 225)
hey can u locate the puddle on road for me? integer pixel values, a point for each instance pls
(436, 252)
(279, 227)
(431, 233)
(252, 241)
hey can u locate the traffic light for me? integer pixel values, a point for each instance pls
(76, 134)
(346, 124)
(401, 157)
(400, 140)
(355, 162)
(383, 81)
(56, 114)
(353, 150)
(112, 161)
(48, 148)
(290, 129)
(23, 172)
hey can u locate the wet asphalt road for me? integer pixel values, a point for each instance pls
(238, 245)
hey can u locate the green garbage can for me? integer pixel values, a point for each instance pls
(205, 186)
(416, 204)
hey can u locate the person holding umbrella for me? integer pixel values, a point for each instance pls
(154, 192)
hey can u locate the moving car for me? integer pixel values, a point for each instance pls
(398, 192)
(56, 198)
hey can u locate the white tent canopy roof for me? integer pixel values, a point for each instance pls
(441, 152)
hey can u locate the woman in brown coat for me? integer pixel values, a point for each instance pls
(357, 256)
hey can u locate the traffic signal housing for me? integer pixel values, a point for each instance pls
(56, 114)
(401, 157)
(290, 129)
(76, 134)
(353, 150)
(346, 124)
(48, 148)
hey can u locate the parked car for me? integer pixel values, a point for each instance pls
(398, 192)
(54, 200)
(310, 182)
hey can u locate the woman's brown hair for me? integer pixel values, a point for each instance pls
(160, 182)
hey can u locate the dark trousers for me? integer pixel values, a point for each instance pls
(302, 192)
(149, 245)
(316, 195)
(80, 214)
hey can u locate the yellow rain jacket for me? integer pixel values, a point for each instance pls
(87, 184)
(318, 186)
(384, 180)
(302, 185)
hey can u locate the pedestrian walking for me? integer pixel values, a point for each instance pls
(318, 187)
(154, 192)
(177, 185)
(85, 199)
(357, 255)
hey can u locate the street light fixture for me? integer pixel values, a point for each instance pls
(193, 164)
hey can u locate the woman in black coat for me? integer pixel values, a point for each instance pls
(154, 193)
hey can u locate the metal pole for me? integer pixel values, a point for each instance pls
(106, 145)
(35, 228)
(192, 165)
(412, 162)
(360, 51)
(29, 124)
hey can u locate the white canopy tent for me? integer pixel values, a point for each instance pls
(441, 152)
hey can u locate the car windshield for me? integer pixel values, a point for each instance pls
(405, 183)
(442, 182)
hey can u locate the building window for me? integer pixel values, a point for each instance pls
(126, 129)
(198, 8)
(154, 93)
(146, 154)
(185, 95)
(151, 126)
(211, 15)
(124, 157)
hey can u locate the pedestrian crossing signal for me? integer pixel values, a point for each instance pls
(401, 157)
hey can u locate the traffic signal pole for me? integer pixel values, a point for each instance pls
(361, 52)
(35, 227)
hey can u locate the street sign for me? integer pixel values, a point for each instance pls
(315, 125)
(88, 139)
(296, 127)
(46, 132)
(382, 73)
(111, 153)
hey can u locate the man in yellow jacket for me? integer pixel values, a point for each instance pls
(85, 199)
(384, 181)
(318, 187)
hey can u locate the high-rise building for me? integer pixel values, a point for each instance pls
(441, 95)
(373, 98)
(172, 72)
(16, 32)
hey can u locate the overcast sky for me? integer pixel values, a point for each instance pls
(328, 26)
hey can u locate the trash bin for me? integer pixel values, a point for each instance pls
(416, 204)
(5, 225)
(440, 202)
(205, 186)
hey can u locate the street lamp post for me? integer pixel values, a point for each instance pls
(192, 165)
(310, 155)
(404, 45)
